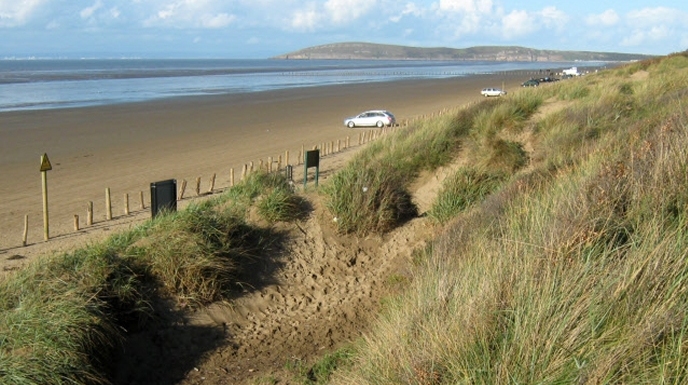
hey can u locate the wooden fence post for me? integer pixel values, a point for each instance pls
(108, 204)
(126, 204)
(76, 222)
(198, 186)
(89, 214)
(212, 184)
(26, 230)
(143, 204)
(182, 189)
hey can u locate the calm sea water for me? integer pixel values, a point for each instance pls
(47, 84)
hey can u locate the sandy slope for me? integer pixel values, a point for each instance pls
(319, 293)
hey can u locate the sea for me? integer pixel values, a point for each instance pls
(38, 84)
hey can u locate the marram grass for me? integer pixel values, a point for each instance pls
(580, 280)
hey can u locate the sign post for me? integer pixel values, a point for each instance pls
(45, 167)
(312, 160)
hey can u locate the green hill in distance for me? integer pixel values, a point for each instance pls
(371, 51)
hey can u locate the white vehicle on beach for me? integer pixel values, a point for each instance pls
(573, 71)
(487, 92)
(372, 118)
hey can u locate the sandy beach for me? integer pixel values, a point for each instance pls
(126, 147)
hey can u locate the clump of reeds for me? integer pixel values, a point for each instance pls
(464, 188)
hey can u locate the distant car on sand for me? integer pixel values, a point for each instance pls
(487, 92)
(372, 118)
(531, 83)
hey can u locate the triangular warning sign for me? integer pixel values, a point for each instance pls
(45, 163)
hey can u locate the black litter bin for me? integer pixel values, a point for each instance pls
(163, 196)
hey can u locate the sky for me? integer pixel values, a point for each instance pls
(253, 29)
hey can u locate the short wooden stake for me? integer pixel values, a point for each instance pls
(143, 203)
(212, 184)
(269, 164)
(182, 189)
(25, 236)
(231, 177)
(198, 186)
(108, 205)
(286, 158)
(89, 214)
(76, 222)
(126, 204)
(243, 172)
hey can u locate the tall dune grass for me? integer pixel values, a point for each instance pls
(576, 270)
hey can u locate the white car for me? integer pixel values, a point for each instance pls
(372, 118)
(487, 92)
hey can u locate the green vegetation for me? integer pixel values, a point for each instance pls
(560, 254)
(320, 372)
(62, 317)
(574, 270)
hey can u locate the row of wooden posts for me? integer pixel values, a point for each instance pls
(272, 165)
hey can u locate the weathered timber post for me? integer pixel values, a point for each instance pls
(108, 204)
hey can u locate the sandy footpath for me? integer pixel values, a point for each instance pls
(126, 147)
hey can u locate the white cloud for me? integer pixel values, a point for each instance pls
(332, 13)
(607, 18)
(553, 18)
(305, 19)
(409, 9)
(14, 13)
(217, 21)
(653, 25)
(460, 18)
(517, 24)
(191, 14)
(467, 6)
(344, 11)
(88, 12)
(653, 16)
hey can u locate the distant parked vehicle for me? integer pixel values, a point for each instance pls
(547, 80)
(488, 92)
(531, 83)
(573, 71)
(372, 118)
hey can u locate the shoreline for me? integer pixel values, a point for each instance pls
(125, 147)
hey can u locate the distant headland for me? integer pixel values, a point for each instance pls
(371, 51)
